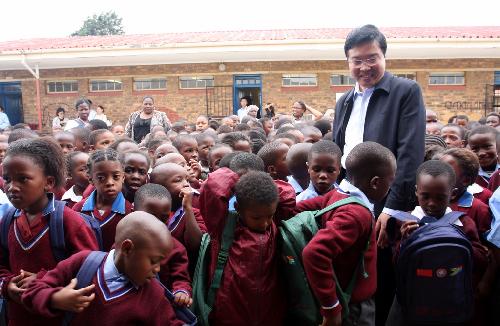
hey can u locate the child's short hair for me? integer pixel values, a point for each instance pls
(483, 130)
(286, 135)
(325, 147)
(119, 141)
(284, 129)
(70, 160)
(461, 131)
(123, 156)
(268, 153)
(226, 160)
(224, 129)
(179, 140)
(324, 125)
(204, 135)
(436, 168)
(81, 133)
(256, 188)
(153, 143)
(368, 159)
(21, 133)
(257, 133)
(233, 137)
(244, 161)
(242, 127)
(97, 124)
(102, 155)
(95, 134)
(296, 159)
(282, 121)
(216, 146)
(466, 159)
(150, 190)
(45, 152)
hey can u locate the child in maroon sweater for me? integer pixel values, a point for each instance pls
(31, 167)
(77, 177)
(482, 141)
(338, 246)
(185, 222)
(124, 290)
(135, 166)
(106, 203)
(174, 274)
(251, 291)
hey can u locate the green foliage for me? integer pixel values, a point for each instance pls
(107, 23)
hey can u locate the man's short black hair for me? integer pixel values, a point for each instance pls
(325, 147)
(256, 188)
(436, 168)
(244, 161)
(367, 160)
(150, 190)
(268, 153)
(362, 35)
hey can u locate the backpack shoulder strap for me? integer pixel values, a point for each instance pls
(56, 231)
(342, 202)
(450, 217)
(182, 313)
(95, 226)
(226, 243)
(85, 275)
(4, 231)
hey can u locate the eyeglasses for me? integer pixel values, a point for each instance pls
(357, 62)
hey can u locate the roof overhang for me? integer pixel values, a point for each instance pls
(299, 50)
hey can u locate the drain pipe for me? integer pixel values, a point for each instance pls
(35, 74)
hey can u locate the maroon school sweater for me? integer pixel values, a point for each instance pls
(484, 196)
(177, 225)
(174, 273)
(145, 305)
(338, 247)
(36, 256)
(477, 211)
(494, 181)
(109, 219)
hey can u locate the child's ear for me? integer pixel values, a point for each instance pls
(454, 192)
(50, 183)
(91, 148)
(126, 247)
(374, 182)
(85, 146)
(271, 170)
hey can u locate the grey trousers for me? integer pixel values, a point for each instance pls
(361, 314)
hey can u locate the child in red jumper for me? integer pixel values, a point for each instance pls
(466, 166)
(337, 247)
(124, 290)
(174, 274)
(106, 203)
(482, 141)
(251, 291)
(78, 178)
(31, 168)
(135, 166)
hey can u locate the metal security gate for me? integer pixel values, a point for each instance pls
(492, 99)
(219, 101)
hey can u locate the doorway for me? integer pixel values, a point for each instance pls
(250, 87)
(11, 101)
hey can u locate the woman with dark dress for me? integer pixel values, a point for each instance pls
(140, 123)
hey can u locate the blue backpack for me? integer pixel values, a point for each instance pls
(89, 269)
(434, 273)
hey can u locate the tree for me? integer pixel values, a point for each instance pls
(107, 23)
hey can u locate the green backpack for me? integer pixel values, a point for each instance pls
(203, 295)
(303, 308)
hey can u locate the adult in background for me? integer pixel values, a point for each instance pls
(390, 111)
(299, 110)
(82, 108)
(243, 110)
(4, 119)
(60, 120)
(140, 123)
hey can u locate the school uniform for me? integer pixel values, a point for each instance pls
(494, 181)
(311, 192)
(483, 177)
(117, 300)
(70, 197)
(177, 224)
(337, 248)
(475, 209)
(296, 186)
(483, 194)
(251, 291)
(30, 250)
(174, 272)
(107, 219)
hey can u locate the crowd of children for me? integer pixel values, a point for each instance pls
(98, 229)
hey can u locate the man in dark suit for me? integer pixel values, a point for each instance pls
(390, 111)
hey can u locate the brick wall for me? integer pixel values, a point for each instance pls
(468, 99)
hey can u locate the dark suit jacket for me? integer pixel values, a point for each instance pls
(395, 118)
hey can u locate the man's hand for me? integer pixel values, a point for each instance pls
(183, 300)
(381, 230)
(332, 321)
(69, 299)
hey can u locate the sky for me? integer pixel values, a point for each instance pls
(59, 18)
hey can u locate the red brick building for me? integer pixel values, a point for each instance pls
(189, 74)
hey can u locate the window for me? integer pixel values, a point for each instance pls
(141, 84)
(196, 82)
(406, 75)
(105, 85)
(447, 78)
(341, 80)
(64, 86)
(300, 80)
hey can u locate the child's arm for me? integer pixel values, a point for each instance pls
(340, 233)
(39, 294)
(312, 204)
(479, 252)
(175, 275)
(286, 203)
(69, 299)
(192, 234)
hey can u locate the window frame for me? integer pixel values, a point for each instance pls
(73, 82)
(342, 76)
(197, 79)
(446, 75)
(291, 76)
(110, 81)
(150, 80)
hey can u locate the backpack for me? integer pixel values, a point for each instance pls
(434, 274)
(89, 269)
(303, 308)
(203, 295)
